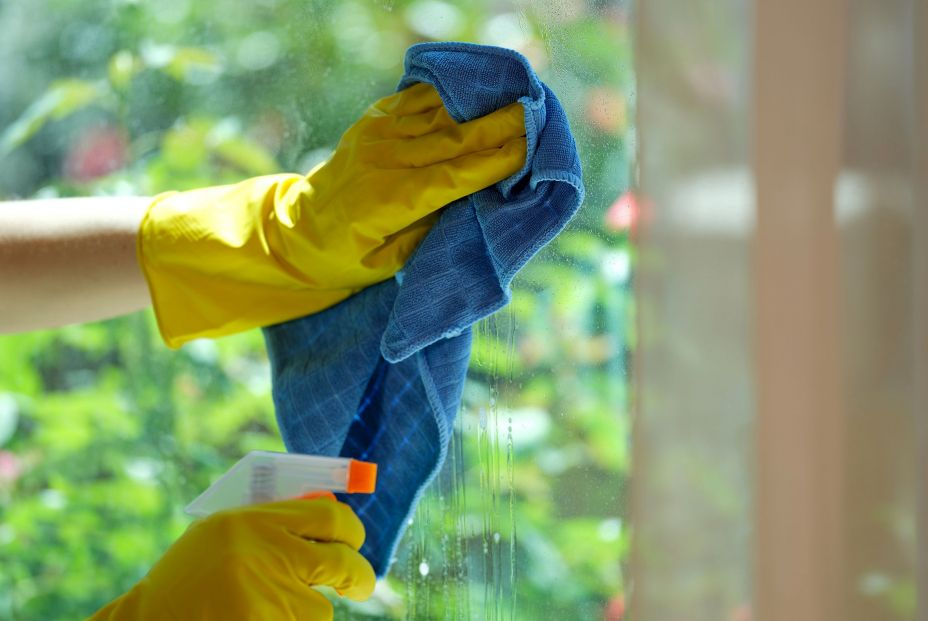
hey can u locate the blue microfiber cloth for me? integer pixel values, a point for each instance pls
(379, 377)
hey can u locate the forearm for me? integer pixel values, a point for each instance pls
(70, 260)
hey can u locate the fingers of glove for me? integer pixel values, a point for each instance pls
(414, 125)
(452, 141)
(310, 604)
(332, 564)
(433, 187)
(378, 129)
(416, 99)
(412, 112)
(319, 519)
(417, 192)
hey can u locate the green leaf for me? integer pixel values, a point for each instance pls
(190, 145)
(579, 245)
(192, 64)
(246, 155)
(63, 98)
(123, 66)
(184, 146)
(184, 64)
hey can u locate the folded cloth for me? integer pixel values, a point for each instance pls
(379, 377)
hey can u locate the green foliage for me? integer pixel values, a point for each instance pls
(105, 434)
(63, 98)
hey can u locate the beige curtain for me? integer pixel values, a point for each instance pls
(780, 442)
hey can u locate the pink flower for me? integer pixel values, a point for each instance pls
(10, 467)
(623, 213)
(615, 609)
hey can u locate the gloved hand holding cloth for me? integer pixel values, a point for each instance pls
(379, 377)
(225, 259)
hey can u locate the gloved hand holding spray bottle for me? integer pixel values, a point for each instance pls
(231, 560)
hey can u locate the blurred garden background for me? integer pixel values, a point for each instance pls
(105, 434)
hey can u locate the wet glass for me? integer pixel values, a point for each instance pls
(105, 434)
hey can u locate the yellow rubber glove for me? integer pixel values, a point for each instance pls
(225, 259)
(259, 562)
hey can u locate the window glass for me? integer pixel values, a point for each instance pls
(105, 434)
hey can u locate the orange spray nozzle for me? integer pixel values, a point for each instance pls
(362, 477)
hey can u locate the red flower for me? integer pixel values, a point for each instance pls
(98, 152)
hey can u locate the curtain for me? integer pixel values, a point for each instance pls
(779, 436)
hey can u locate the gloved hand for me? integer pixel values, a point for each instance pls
(258, 562)
(225, 259)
